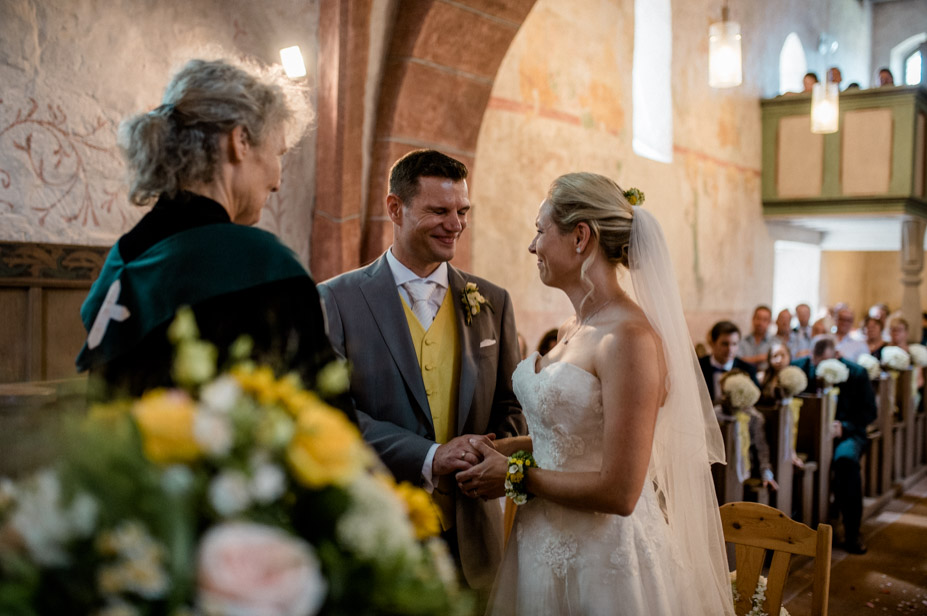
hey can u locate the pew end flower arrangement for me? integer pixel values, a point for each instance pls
(234, 493)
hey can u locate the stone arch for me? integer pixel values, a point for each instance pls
(440, 62)
(439, 71)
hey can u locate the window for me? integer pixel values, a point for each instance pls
(912, 69)
(651, 80)
(792, 65)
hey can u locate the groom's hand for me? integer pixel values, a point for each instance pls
(487, 479)
(458, 454)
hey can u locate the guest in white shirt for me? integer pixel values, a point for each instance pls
(755, 347)
(848, 346)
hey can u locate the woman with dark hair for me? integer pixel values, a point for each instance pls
(208, 157)
(778, 357)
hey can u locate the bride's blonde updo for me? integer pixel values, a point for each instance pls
(600, 203)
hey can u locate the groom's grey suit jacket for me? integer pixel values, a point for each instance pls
(367, 324)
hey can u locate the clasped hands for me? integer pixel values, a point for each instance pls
(479, 467)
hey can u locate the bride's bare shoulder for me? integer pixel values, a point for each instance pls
(629, 334)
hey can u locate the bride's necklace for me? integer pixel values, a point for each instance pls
(584, 321)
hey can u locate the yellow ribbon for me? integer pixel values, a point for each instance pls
(743, 431)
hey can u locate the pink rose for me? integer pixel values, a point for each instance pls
(248, 569)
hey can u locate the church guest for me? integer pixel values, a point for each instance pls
(208, 158)
(856, 409)
(885, 77)
(872, 327)
(724, 338)
(779, 358)
(754, 347)
(808, 81)
(850, 345)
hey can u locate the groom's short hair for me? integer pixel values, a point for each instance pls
(403, 177)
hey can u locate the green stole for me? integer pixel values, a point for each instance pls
(181, 270)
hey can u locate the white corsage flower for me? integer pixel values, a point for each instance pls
(740, 391)
(871, 364)
(918, 354)
(213, 432)
(793, 380)
(895, 358)
(833, 371)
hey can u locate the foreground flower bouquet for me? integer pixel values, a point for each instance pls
(238, 493)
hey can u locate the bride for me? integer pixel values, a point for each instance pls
(621, 515)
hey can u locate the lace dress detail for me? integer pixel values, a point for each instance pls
(568, 561)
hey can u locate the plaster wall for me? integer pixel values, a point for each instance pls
(561, 102)
(72, 70)
(862, 279)
(893, 22)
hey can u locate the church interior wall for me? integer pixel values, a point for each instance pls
(71, 71)
(862, 279)
(892, 23)
(562, 102)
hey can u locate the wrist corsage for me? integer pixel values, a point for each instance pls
(515, 476)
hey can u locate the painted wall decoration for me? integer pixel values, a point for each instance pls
(72, 71)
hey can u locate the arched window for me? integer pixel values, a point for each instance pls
(902, 58)
(792, 65)
(912, 69)
(651, 90)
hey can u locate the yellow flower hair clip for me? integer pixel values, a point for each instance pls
(634, 196)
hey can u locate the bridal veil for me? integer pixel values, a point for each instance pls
(686, 438)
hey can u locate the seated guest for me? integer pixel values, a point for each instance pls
(779, 357)
(755, 346)
(872, 327)
(856, 409)
(824, 325)
(209, 157)
(885, 77)
(724, 338)
(808, 81)
(899, 338)
(850, 345)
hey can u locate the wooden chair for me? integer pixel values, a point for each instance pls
(753, 529)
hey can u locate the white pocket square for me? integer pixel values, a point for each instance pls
(487, 343)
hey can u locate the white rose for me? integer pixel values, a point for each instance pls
(213, 432)
(268, 483)
(245, 568)
(222, 394)
(229, 494)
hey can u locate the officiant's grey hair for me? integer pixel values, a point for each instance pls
(177, 144)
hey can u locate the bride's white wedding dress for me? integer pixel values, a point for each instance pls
(561, 560)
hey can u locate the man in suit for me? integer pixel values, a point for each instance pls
(725, 336)
(856, 409)
(433, 350)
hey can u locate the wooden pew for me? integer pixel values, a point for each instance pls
(903, 428)
(815, 440)
(878, 462)
(728, 487)
(779, 436)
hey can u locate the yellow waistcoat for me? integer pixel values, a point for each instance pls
(438, 354)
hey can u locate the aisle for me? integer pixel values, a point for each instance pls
(890, 579)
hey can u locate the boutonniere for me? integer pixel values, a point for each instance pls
(473, 301)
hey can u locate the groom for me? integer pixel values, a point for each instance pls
(428, 374)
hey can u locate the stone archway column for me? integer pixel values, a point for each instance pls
(912, 264)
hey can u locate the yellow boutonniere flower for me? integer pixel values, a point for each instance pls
(165, 420)
(473, 301)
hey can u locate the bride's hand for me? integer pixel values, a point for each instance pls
(487, 479)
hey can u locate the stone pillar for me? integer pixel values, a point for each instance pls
(912, 263)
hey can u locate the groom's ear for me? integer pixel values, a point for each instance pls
(394, 208)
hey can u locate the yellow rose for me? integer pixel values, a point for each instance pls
(327, 448)
(421, 510)
(165, 420)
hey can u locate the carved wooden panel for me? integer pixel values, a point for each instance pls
(799, 159)
(42, 287)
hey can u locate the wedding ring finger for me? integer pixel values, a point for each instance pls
(463, 455)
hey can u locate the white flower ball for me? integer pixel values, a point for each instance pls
(871, 364)
(918, 354)
(740, 391)
(833, 371)
(895, 358)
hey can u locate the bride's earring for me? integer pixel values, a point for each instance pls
(578, 250)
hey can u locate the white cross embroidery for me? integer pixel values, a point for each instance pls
(109, 311)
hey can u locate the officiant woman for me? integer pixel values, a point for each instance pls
(208, 157)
